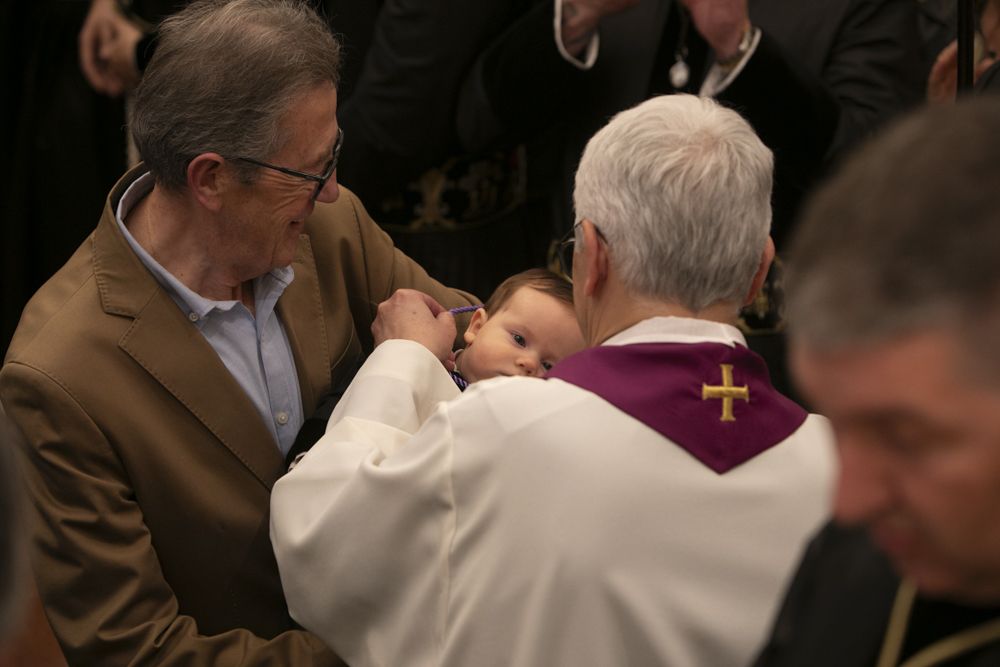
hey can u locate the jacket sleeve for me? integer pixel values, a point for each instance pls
(96, 567)
(497, 102)
(400, 116)
(808, 118)
(374, 269)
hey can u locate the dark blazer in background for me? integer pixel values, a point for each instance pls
(826, 74)
(837, 610)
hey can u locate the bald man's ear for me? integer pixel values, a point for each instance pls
(766, 258)
(595, 259)
(207, 179)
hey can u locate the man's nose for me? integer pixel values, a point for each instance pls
(864, 485)
(330, 191)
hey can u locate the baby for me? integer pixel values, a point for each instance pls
(527, 326)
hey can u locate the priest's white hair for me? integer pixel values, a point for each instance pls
(680, 187)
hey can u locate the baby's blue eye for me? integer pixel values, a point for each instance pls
(546, 365)
(519, 339)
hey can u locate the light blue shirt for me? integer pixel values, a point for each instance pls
(254, 349)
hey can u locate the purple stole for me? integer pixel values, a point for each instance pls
(713, 400)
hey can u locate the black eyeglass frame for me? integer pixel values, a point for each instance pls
(319, 179)
(566, 248)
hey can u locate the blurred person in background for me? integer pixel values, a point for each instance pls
(894, 317)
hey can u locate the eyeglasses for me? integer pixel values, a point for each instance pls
(567, 246)
(319, 179)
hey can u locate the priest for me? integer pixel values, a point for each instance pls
(642, 505)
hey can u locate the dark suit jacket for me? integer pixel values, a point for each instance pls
(827, 73)
(837, 609)
(149, 467)
(401, 114)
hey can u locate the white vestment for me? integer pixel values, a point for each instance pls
(529, 522)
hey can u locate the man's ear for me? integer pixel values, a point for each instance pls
(766, 257)
(595, 259)
(207, 180)
(475, 324)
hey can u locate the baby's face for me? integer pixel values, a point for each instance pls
(526, 336)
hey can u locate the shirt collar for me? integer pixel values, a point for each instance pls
(267, 288)
(678, 330)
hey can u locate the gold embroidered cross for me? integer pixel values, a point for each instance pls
(727, 392)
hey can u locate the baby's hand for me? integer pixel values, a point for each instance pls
(412, 315)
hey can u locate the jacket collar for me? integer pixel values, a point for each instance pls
(173, 352)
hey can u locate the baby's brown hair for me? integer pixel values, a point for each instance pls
(543, 280)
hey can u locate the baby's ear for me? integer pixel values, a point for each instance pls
(475, 324)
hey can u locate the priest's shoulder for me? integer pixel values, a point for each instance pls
(516, 402)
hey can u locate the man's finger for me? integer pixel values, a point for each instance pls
(949, 52)
(437, 310)
(447, 321)
(412, 297)
(984, 65)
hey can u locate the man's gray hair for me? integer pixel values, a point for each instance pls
(681, 189)
(906, 236)
(222, 78)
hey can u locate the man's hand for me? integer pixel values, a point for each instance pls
(413, 315)
(580, 19)
(942, 83)
(107, 49)
(721, 22)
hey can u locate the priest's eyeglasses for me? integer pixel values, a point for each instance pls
(319, 179)
(567, 246)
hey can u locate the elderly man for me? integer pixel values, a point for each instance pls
(895, 313)
(642, 507)
(161, 376)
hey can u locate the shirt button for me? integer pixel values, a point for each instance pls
(281, 418)
(193, 316)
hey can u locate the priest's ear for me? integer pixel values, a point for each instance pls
(766, 257)
(475, 324)
(594, 258)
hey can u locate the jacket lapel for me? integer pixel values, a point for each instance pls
(174, 352)
(306, 330)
